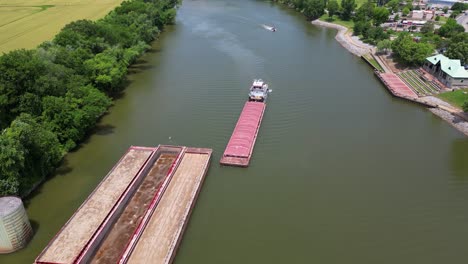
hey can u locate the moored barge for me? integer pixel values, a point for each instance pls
(148, 196)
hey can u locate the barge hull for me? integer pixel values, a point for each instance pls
(240, 147)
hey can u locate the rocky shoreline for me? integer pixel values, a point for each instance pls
(458, 120)
(349, 42)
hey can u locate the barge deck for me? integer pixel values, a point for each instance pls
(68, 244)
(121, 232)
(163, 233)
(240, 147)
(145, 182)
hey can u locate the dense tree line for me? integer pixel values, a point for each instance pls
(312, 9)
(51, 97)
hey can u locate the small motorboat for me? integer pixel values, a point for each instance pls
(273, 29)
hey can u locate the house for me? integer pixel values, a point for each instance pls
(449, 72)
(417, 14)
(422, 14)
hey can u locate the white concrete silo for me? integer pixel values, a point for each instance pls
(15, 229)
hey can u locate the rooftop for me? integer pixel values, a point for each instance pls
(451, 67)
(8, 204)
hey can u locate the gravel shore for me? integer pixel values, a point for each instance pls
(455, 121)
(351, 43)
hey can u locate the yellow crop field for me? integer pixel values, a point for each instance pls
(28, 23)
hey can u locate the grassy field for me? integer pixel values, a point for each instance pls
(349, 24)
(374, 63)
(27, 23)
(456, 98)
(336, 20)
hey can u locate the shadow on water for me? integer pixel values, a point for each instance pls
(153, 50)
(459, 163)
(103, 129)
(142, 64)
(140, 67)
(35, 225)
(63, 169)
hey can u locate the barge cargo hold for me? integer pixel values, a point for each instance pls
(240, 147)
(158, 242)
(108, 225)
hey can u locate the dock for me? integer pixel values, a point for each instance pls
(142, 186)
(240, 147)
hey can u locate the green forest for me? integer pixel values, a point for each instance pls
(51, 97)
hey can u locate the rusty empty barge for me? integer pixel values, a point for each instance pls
(240, 147)
(138, 213)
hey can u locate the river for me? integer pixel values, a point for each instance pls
(341, 173)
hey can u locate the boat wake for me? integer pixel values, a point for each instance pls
(270, 28)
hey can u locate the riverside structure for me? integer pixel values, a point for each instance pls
(159, 183)
(15, 229)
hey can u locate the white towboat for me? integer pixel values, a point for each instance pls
(258, 91)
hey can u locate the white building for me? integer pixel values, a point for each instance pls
(449, 72)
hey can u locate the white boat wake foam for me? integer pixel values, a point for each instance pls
(270, 28)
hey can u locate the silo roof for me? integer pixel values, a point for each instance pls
(9, 204)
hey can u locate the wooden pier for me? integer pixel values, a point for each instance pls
(144, 203)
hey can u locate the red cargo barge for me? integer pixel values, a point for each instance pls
(240, 147)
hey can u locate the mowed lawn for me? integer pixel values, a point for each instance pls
(28, 23)
(456, 98)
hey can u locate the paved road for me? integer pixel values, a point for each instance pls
(463, 20)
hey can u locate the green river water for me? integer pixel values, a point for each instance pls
(341, 173)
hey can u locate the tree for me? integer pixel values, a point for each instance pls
(332, 8)
(375, 34)
(384, 45)
(107, 70)
(427, 28)
(365, 11)
(458, 48)
(458, 51)
(437, 18)
(396, 18)
(47, 99)
(314, 9)
(409, 51)
(405, 11)
(445, 9)
(19, 71)
(465, 106)
(454, 14)
(42, 149)
(71, 116)
(380, 15)
(394, 5)
(11, 164)
(348, 7)
(450, 28)
(361, 27)
(459, 6)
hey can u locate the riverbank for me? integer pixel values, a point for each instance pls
(70, 92)
(440, 108)
(345, 38)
